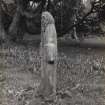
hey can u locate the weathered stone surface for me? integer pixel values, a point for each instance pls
(48, 54)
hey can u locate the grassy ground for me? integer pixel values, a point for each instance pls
(80, 75)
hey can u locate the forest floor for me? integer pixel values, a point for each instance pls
(80, 75)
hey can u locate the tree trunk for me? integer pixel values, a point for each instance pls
(2, 32)
(14, 25)
(102, 26)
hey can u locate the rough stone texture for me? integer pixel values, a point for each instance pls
(48, 54)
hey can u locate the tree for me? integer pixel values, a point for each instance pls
(62, 11)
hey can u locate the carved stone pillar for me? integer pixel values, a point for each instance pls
(48, 53)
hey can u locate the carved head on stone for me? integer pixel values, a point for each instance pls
(47, 19)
